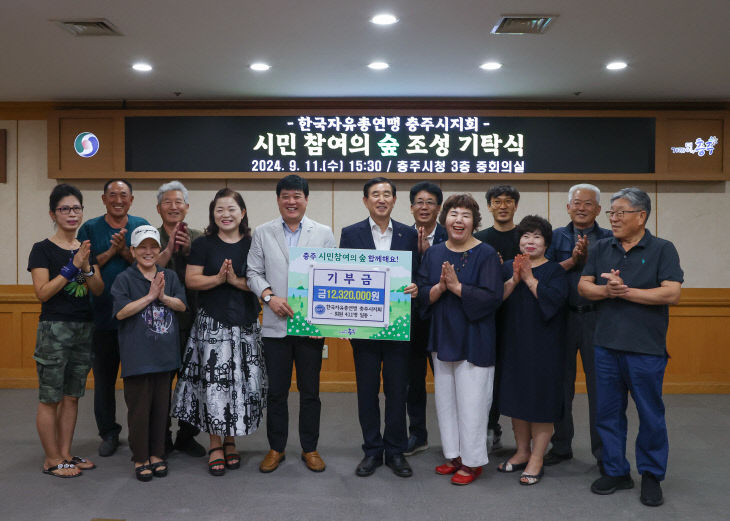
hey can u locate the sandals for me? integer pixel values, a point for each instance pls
(218, 462)
(141, 473)
(508, 467)
(530, 479)
(233, 459)
(78, 461)
(53, 471)
(157, 471)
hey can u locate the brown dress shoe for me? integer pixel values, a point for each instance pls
(313, 461)
(271, 461)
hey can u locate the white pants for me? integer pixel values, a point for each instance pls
(463, 399)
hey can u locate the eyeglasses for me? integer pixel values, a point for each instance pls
(172, 203)
(496, 203)
(429, 204)
(619, 214)
(65, 210)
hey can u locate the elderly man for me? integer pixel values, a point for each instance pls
(109, 235)
(570, 248)
(633, 277)
(380, 232)
(268, 268)
(426, 199)
(175, 240)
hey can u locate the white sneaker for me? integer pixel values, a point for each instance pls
(494, 441)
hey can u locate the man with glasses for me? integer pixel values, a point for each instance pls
(502, 201)
(426, 199)
(632, 277)
(110, 240)
(569, 247)
(175, 240)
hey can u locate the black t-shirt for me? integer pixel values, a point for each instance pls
(226, 304)
(506, 243)
(71, 304)
(149, 341)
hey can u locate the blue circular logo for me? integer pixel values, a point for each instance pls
(319, 309)
(86, 144)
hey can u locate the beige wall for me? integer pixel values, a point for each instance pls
(689, 214)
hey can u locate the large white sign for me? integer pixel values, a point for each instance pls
(349, 294)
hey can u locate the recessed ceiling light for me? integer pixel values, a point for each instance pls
(616, 66)
(384, 19)
(378, 66)
(260, 66)
(142, 67)
(490, 66)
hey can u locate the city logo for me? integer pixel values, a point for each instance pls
(86, 144)
(319, 309)
(699, 147)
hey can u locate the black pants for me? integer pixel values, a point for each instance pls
(106, 369)
(148, 406)
(579, 336)
(417, 369)
(280, 355)
(393, 357)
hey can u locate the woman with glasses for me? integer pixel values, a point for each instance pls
(532, 347)
(63, 271)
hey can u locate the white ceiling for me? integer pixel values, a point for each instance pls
(677, 50)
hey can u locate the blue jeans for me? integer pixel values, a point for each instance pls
(617, 373)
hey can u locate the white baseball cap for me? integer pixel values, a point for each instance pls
(143, 232)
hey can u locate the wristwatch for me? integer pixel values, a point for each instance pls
(267, 298)
(91, 273)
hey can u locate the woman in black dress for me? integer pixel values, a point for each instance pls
(222, 386)
(533, 347)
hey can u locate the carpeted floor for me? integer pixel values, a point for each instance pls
(696, 487)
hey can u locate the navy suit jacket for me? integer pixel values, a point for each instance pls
(440, 235)
(360, 236)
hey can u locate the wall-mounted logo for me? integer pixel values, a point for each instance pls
(699, 147)
(86, 144)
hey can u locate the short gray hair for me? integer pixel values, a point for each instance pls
(638, 199)
(584, 186)
(172, 186)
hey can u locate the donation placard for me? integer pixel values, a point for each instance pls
(349, 293)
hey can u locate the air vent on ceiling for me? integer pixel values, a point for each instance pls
(89, 27)
(523, 24)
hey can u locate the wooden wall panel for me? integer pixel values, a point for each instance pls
(699, 333)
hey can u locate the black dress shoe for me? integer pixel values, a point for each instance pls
(109, 446)
(553, 458)
(399, 465)
(368, 465)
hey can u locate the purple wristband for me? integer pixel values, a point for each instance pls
(69, 271)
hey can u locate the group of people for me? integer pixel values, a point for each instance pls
(499, 315)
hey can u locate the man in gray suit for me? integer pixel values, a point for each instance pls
(268, 269)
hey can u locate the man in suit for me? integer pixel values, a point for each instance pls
(267, 271)
(426, 199)
(380, 232)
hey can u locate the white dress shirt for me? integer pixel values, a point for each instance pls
(382, 240)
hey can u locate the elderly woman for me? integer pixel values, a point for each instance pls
(63, 271)
(532, 347)
(222, 385)
(460, 288)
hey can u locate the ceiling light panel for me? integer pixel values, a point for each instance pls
(384, 19)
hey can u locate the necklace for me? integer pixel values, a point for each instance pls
(464, 261)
